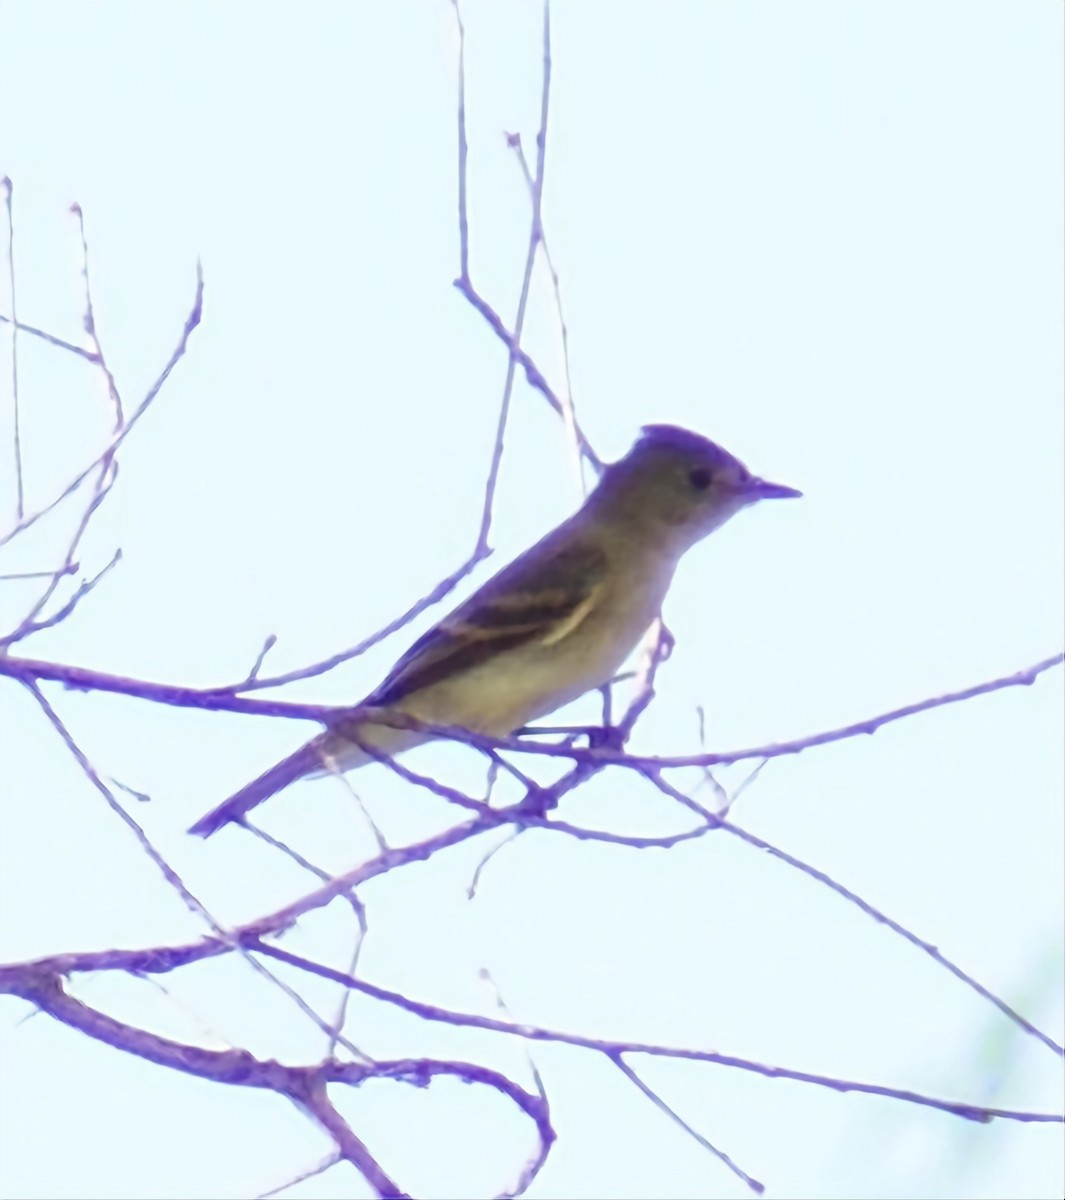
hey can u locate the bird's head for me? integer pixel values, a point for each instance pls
(680, 486)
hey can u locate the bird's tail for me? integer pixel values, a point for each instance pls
(330, 753)
(305, 760)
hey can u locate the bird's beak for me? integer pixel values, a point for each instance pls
(762, 489)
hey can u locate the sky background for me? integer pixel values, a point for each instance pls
(828, 236)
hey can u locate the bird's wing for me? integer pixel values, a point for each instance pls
(541, 596)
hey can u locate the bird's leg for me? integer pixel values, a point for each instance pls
(598, 735)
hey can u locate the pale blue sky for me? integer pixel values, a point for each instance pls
(828, 235)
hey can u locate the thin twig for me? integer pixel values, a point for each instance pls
(192, 320)
(20, 498)
(312, 1172)
(50, 338)
(108, 473)
(757, 1187)
(463, 150)
(89, 323)
(569, 412)
(536, 234)
(255, 682)
(83, 589)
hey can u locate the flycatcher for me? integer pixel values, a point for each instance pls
(554, 624)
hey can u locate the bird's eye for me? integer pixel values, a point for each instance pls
(700, 478)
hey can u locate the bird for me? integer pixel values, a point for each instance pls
(558, 621)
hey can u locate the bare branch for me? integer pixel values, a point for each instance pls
(432, 1012)
(220, 700)
(171, 877)
(883, 919)
(305, 1086)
